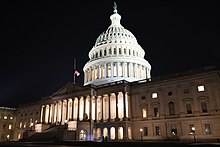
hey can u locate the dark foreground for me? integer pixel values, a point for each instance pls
(107, 144)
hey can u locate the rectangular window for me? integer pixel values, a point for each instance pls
(208, 129)
(154, 95)
(204, 107)
(144, 112)
(174, 131)
(192, 129)
(185, 91)
(9, 126)
(188, 108)
(156, 112)
(157, 128)
(145, 131)
(201, 88)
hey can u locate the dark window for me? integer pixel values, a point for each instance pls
(204, 107)
(188, 108)
(174, 131)
(186, 91)
(171, 108)
(115, 51)
(104, 52)
(208, 129)
(143, 97)
(110, 51)
(145, 131)
(156, 112)
(170, 93)
(119, 51)
(4, 126)
(157, 130)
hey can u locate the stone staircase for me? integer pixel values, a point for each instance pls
(52, 134)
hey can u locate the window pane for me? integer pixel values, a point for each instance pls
(145, 131)
(156, 112)
(208, 129)
(171, 108)
(157, 130)
(188, 108)
(204, 107)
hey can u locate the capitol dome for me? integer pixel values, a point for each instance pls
(116, 56)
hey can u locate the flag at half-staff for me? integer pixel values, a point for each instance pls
(76, 72)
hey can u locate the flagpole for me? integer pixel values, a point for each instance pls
(74, 75)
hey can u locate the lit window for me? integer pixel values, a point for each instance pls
(11, 117)
(8, 136)
(25, 125)
(201, 88)
(20, 125)
(154, 95)
(9, 126)
(144, 112)
(19, 136)
(5, 117)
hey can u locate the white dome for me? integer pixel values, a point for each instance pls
(116, 56)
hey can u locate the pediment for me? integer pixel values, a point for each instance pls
(68, 88)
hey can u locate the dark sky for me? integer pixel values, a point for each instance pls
(40, 39)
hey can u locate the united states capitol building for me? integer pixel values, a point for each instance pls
(120, 101)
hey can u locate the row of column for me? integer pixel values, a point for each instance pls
(101, 108)
(117, 69)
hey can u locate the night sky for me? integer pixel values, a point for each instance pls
(40, 39)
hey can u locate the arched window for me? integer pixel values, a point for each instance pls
(112, 133)
(110, 51)
(105, 132)
(120, 133)
(104, 52)
(115, 52)
(100, 53)
(171, 108)
(98, 133)
(119, 51)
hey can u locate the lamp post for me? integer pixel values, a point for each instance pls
(193, 132)
(141, 130)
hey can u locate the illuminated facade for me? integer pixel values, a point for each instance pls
(121, 102)
(7, 121)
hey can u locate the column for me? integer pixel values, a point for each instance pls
(47, 114)
(117, 69)
(109, 106)
(55, 113)
(102, 102)
(64, 111)
(84, 107)
(42, 114)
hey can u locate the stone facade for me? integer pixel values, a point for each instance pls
(7, 121)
